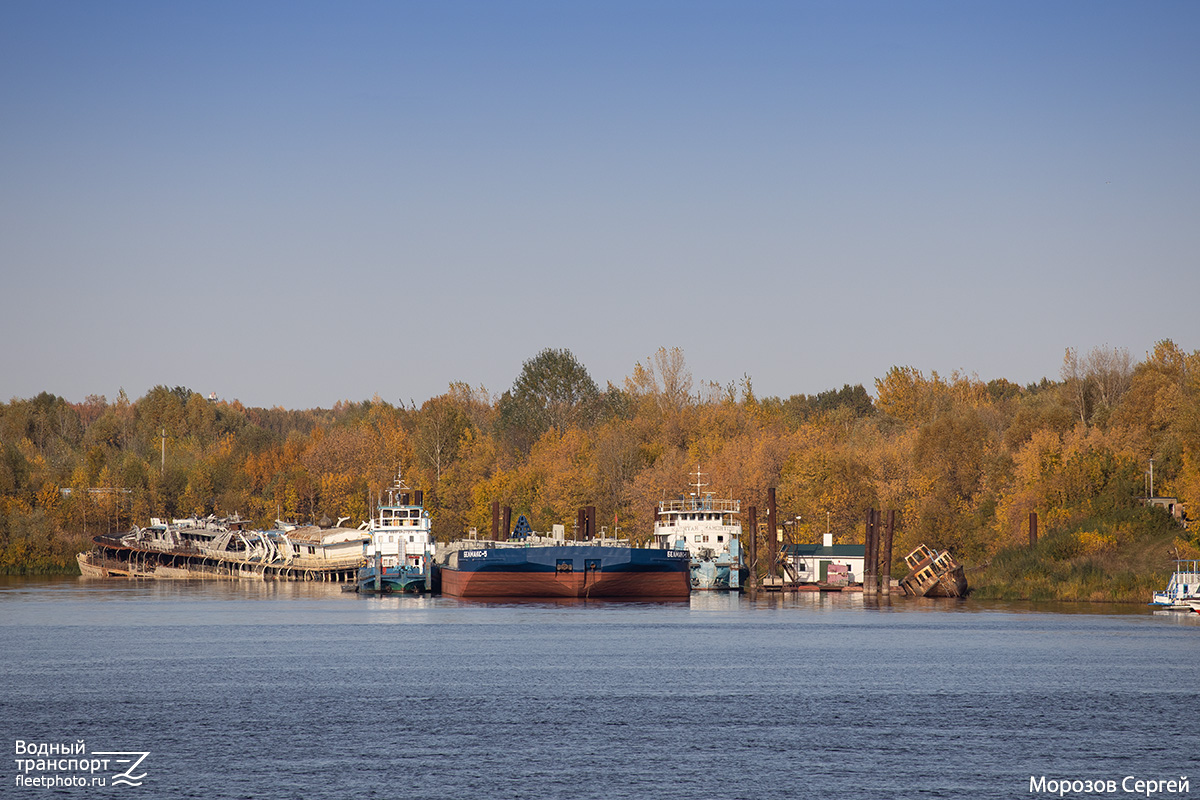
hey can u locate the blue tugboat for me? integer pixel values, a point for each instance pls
(400, 552)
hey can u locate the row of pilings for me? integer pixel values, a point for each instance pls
(878, 552)
(772, 540)
(877, 560)
(585, 522)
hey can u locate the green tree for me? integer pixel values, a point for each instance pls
(553, 392)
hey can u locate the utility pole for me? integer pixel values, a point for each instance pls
(163, 471)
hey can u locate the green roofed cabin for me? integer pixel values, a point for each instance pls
(826, 562)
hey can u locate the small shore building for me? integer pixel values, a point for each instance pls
(814, 563)
(1171, 505)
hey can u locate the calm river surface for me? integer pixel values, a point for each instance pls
(268, 690)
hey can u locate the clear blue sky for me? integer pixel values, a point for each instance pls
(294, 203)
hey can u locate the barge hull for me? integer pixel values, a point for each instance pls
(566, 571)
(652, 585)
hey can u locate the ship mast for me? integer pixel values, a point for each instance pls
(398, 487)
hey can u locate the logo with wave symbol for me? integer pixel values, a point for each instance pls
(133, 759)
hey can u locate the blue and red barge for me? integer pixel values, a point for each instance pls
(480, 568)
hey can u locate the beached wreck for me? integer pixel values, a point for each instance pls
(226, 548)
(933, 573)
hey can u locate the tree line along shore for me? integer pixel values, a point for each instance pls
(963, 462)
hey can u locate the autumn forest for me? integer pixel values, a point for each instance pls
(962, 461)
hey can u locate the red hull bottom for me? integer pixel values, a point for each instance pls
(648, 585)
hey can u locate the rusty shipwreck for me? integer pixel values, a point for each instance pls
(933, 573)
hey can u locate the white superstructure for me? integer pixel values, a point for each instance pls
(401, 532)
(708, 528)
(704, 526)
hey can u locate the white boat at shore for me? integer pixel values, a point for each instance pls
(401, 548)
(708, 528)
(1183, 590)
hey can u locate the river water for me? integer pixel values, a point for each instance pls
(278, 690)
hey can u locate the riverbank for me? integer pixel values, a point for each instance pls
(1121, 558)
(1116, 560)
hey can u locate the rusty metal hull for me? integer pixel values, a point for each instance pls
(933, 574)
(949, 584)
